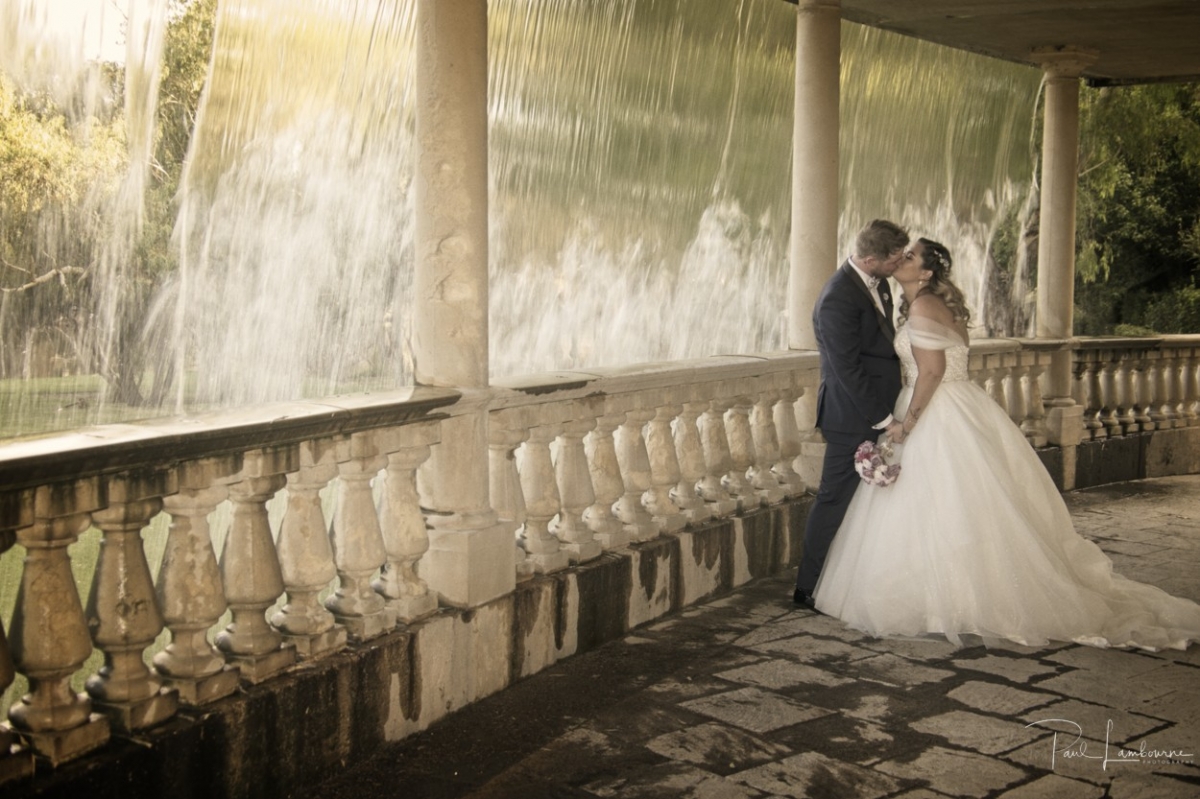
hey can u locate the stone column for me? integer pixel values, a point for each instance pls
(814, 163)
(470, 559)
(1056, 239)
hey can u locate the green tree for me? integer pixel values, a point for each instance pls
(55, 173)
(1139, 210)
(61, 177)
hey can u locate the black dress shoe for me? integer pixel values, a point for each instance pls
(803, 599)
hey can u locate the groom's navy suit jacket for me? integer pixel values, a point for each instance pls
(860, 373)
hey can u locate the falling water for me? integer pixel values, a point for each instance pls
(640, 185)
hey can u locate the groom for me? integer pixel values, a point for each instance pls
(860, 380)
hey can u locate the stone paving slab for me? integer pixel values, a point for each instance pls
(747, 697)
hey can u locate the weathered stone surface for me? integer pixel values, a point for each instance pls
(955, 773)
(814, 776)
(978, 733)
(755, 710)
(999, 699)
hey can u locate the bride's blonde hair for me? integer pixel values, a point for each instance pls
(937, 260)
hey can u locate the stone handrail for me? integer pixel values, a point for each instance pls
(580, 463)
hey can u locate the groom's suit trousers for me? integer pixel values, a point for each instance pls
(839, 481)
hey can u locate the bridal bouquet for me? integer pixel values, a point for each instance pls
(873, 463)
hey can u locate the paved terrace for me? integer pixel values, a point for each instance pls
(746, 696)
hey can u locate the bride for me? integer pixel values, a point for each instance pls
(973, 537)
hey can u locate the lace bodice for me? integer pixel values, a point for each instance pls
(930, 335)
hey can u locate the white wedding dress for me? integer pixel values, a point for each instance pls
(974, 539)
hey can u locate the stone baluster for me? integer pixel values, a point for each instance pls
(1179, 390)
(605, 469)
(1034, 423)
(635, 475)
(717, 461)
(1190, 391)
(1142, 383)
(689, 453)
(1124, 384)
(405, 535)
(540, 485)
(979, 371)
(50, 638)
(575, 490)
(766, 449)
(664, 471)
(505, 434)
(790, 442)
(995, 383)
(250, 569)
(358, 548)
(1014, 399)
(742, 454)
(1109, 398)
(123, 612)
(16, 761)
(1088, 398)
(306, 557)
(189, 587)
(1166, 413)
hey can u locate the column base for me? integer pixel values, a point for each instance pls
(204, 690)
(772, 496)
(698, 513)
(373, 625)
(581, 553)
(1064, 425)
(615, 538)
(670, 523)
(469, 566)
(641, 532)
(62, 745)
(524, 566)
(130, 717)
(412, 609)
(793, 484)
(811, 462)
(16, 762)
(547, 562)
(723, 508)
(259, 668)
(317, 646)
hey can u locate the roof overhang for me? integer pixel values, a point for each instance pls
(1132, 41)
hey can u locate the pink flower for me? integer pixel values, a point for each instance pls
(871, 463)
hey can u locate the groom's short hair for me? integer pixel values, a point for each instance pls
(880, 238)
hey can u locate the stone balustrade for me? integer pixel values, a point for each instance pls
(324, 528)
(1137, 385)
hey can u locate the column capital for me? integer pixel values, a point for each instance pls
(818, 5)
(1064, 61)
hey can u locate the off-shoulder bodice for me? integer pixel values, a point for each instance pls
(932, 336)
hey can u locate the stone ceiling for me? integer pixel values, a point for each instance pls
(1134, 41)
